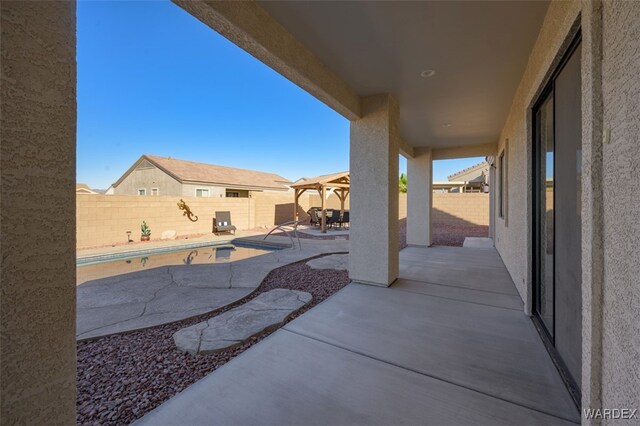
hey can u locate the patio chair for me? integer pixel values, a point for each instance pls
(333, 217)
(313, 213)
(345, 218)
(222, 223)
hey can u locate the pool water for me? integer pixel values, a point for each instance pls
(193, 256)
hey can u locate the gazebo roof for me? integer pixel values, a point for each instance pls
(334, 180)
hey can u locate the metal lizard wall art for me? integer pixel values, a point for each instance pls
(187, 211)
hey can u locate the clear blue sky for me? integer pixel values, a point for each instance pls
(154, 80)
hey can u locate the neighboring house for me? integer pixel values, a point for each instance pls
(83, 188)
(153, 175)
(471, 179)
(476, 173)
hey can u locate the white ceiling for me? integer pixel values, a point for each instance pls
(479, 50)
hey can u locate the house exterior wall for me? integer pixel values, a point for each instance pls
(189, 190)
(145, 177)
(37, 190)
(242, 193)
(621, 163)
(610, 211)
(149, 177)
(512, 232)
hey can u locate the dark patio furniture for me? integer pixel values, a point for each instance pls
(315, 218)
(345, 218)
(222, 223)
(333, 217)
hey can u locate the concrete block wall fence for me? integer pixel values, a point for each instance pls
(105, 219)
(461, 209)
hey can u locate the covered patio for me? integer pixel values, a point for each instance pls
(425, 336)
(338, 183)
(445, 344)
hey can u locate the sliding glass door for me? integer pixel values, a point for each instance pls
(557, 168)
(545, 214)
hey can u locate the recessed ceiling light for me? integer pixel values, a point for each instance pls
(427, 73)
(446, 124)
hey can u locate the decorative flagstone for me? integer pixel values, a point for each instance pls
(267, 311)
(338, 262)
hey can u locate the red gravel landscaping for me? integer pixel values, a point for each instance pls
(446, 235)
(453, 235)
(124, 376)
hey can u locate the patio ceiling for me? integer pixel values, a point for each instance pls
(478, 50)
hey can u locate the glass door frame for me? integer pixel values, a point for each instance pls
(536, 232)
(548, 90)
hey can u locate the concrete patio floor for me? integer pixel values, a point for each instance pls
(448, 343)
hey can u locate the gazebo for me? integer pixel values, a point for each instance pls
(336, 182)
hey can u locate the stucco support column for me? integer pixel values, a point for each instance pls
(373, 254)
(37, 208)
(593, 210)
(419, 198)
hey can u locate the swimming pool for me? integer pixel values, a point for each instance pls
(96, 267)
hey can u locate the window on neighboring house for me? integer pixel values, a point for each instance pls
(201, 192)
(502, 184)
(142, 191)
(155, 191)
(233, 194)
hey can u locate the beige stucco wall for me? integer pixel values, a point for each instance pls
(419, 198)
(621, 164)
(512, 233)
(37, 189)
(374, 141)
(148, 178)
(610, 208)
